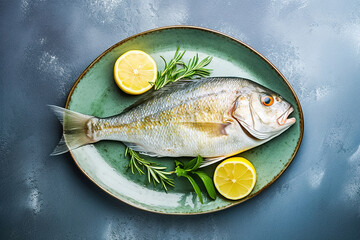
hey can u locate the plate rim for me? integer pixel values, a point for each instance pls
(96, 60)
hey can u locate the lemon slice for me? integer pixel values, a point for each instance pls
(133, 72)
(235, 178)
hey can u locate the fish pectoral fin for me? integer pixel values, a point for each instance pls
(140, 149)
(213, 129)
(211, 160)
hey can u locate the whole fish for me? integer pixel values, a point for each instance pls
(211, 117)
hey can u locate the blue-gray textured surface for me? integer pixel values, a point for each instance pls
(45, 45)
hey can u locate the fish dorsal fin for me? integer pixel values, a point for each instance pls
(212, 129)
(173, 87)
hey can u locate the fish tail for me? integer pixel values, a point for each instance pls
(74, 130)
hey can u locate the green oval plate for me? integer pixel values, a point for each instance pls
(95, 93)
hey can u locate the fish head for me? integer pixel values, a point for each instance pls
(263, 113)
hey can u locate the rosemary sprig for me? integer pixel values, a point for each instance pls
(155, 173)
(172, 73)
(194, 68)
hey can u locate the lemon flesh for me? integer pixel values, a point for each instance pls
(235, 178)
(134, 71)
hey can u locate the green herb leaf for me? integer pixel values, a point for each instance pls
(178, 163)
(185, 170)
(208, 182)
(180, 172)
(196, 187)
(193, 164)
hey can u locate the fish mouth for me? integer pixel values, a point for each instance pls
(284, 120)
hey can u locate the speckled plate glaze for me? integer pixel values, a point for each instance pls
(95, 93)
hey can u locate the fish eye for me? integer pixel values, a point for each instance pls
(267, 100)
